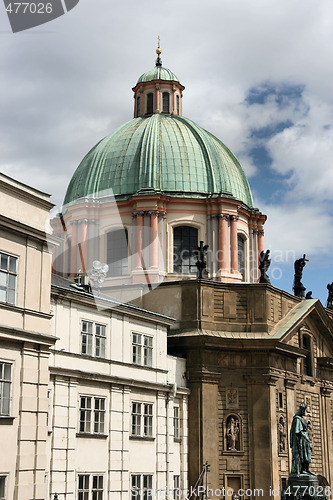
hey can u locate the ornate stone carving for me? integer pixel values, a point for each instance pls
(232, 398)
(234, 218)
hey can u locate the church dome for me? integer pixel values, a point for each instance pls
(158, 73)
(163, 152)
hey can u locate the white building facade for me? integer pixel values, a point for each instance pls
(119, 403)
(91, 405)
(25, 340)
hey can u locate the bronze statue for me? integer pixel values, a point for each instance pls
(264, 263)
(330, 296)
(299, 288)
(300, 443)
(201, 262)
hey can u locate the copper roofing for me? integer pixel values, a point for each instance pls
(166, 153)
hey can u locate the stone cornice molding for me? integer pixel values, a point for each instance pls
(326, 391)
(261, 379)
(204, 377)
(290, 383)
(159, 213)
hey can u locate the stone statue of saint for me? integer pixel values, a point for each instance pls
(300, 443)
(201, 262)
(330, 296)
(299, 288)
(264, 263)
(233, 434)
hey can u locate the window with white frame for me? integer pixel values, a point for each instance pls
(3, 479)
(90, 487)
(142, 349)
(93, 337)
(5, 387)
(92, 415)
(8, 275)
(142, 419)
(141, 487)
(176, 422)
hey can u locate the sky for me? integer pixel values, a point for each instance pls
(258, 75)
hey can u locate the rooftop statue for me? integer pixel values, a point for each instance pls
(264, 263)
(201, 262)
(330, 296)
(299, 288)
(300, 443)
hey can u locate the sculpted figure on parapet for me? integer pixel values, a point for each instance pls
(330, 296)
(264, 263)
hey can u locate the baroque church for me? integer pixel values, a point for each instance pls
(140, 202)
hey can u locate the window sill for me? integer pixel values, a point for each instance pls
(233, 452)
(91, 356)
(6, 420)
(177, 440)
(142, 438)
(142, 366)
(91, 435)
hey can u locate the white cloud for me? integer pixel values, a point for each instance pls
(292, 230)
(305, 152)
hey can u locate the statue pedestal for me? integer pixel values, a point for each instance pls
(303, 487)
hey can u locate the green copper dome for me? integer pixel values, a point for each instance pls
(168, 153)
(158, 73)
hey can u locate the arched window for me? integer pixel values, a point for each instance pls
(241, 263)
(150, 104)
(117, 252)
(177, 104)
(138, 106)
(166, 102)
(185, 243)
(307, 361)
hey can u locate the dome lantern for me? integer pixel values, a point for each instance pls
(158, 91)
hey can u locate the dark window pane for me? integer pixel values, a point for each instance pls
(117, 252)
(166, 102)
(150, 103)
(307, 361)
(185, 243)
(241, 268)
(4, 262)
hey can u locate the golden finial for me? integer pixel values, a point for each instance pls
(158, 62)
(158, 50)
